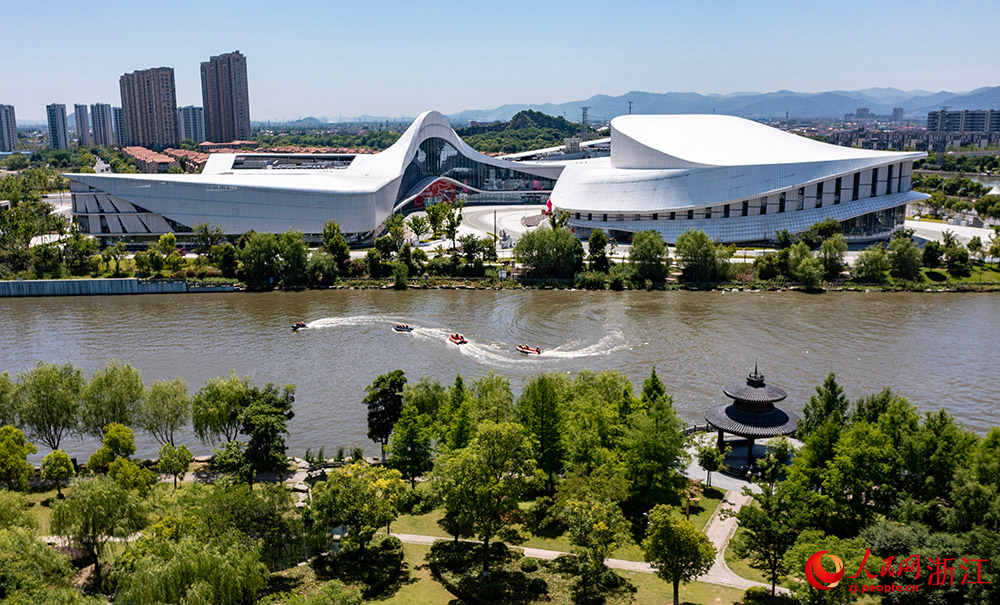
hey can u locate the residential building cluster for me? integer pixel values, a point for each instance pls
(149, 116)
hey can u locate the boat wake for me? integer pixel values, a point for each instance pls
(486, 352)
(350, 321)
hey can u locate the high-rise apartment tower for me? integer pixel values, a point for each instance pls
(58, 136)
(100, 115)
(149, 105)
(226, 98)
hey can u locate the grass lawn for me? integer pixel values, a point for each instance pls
(426, 525)
(740, 566)
(940, 275)
(422, 588)
(40, 506)
(652, 589)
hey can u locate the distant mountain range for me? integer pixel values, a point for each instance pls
(832, 104)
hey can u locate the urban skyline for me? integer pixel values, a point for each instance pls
(602, 45)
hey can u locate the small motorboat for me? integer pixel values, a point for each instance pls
(526, 350)
(298, 326)
(457, 339)
(402, 328)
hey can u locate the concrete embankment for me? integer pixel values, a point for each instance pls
(94, 287)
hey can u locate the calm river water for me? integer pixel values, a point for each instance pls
(940, 350)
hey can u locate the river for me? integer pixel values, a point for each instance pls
(940, 349)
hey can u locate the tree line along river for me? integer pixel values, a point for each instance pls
(939, 350)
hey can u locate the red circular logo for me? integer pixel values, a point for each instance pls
(818, 577)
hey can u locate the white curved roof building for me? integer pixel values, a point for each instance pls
(736, 179)
(240, 192)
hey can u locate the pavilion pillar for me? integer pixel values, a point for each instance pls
(721, 443)
(750, 458)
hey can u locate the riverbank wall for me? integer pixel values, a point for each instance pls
(100, 287)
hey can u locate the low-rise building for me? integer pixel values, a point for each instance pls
(149, 161)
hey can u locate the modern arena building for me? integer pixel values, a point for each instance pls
(738, 180)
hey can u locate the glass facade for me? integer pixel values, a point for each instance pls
(874, 224)
(438, 158)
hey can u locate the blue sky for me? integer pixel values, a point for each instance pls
(400, 58)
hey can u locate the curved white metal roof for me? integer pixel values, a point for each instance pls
(688, 141)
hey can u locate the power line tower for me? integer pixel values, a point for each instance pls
(583, 123)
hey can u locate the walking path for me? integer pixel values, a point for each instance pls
(719, 531)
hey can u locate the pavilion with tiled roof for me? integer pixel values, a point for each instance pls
(752, 414)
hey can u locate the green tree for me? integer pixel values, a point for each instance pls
(95, 512)
(956, 260)
(540, 409)
(264, 419)
(649, 256)
(174, 461)
(114, 254)
(549, 253)
(164, 410)
(492, 398)
(113, 394)
(225, 257)
(675, 548)
(436, 214)
(260, 260)
(808, 271)
(654, 455)
(905, 259)
(384, 400)
(936, 202)
(768, 531)
(427, 395)
(419, 225)
(57, 467)
(703, 261)
(322, 270)
(652, 389)
(871, 266)
(395, 228)
(14, 512)
(294, 259)
(453, 220)
(857, 485)
(597, 247)
(711, 460)
(8, 400)
(79, 251)
(596, 529)
(167, 244)
(829, 402)
(496, 469)
(119, 442)
(359, 497)
(831, 254)
(335, 243)
(217, 406)
(14, 468)
(207, 237)
(129, 475)
(410, 444)
(192, 570)
(31, 568)
(932, 254)
(49, 401)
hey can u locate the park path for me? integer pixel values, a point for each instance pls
(719, 531)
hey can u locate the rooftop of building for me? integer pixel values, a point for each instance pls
(147, 155)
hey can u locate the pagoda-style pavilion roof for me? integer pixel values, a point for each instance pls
(752, 413)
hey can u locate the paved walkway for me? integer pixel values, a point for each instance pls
(719, 531)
